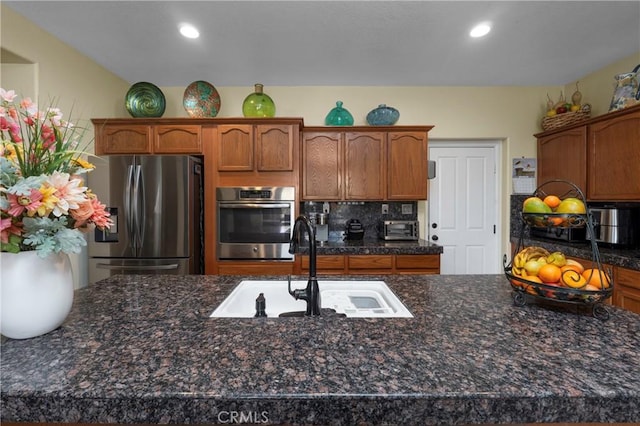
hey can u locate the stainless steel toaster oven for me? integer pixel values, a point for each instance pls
(399, 230)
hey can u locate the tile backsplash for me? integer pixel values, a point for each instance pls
(368, 213)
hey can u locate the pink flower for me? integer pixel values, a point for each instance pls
(48, 136)
(100, 215)
(82, 214)
(7, 227)
(18, 204)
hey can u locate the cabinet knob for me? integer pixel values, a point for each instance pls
(434, 237)
(434, 225)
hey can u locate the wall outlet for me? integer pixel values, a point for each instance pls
(385, 209)
(407, 209)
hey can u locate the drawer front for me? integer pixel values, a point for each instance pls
(418, 261)
(627, 277)
(370, 262)
(324, 262)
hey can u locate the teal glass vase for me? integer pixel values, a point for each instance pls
(258, 104)
(339, 116)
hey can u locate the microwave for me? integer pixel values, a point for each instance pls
(399, 230)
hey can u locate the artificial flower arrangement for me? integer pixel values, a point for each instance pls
(44, 205)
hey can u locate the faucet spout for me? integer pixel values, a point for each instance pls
(311, 294)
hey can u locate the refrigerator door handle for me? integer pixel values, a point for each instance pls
(137, 267)
(128, 214)
(138, 206)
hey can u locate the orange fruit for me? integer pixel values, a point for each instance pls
(549, 273)
(535, 205)
(573, 279)
(533, 278)
(552, 201)
(597, 278)
(571, 206)
(556, 221)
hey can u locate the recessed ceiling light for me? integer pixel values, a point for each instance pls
(189, 31)
(480, 30)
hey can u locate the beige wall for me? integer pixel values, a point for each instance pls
(51, 69)
(597, 87)
(509, 114)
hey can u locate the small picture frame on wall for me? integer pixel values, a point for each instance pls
(524, 175)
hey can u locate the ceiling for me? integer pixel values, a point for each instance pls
(354, 43)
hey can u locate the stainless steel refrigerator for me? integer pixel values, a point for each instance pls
(156, 203)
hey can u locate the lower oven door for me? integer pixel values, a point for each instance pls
(254, 230)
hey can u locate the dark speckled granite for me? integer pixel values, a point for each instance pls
(368, 246)
(141, 349)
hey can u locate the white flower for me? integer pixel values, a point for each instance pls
(68, 192)
(7, 95)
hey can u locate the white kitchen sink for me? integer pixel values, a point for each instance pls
(356, 299)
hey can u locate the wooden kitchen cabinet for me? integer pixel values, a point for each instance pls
(172, 139)
(363, 264)
(357, 163)
(563, 155)
(614, 158)
(118, 138)
(262, 148)
(626, 289)
(407, 166)
(326, 264)
(137, 137)
(235, 148)
(322, 160)
(417, 263)
(364, 167)
(600, 156)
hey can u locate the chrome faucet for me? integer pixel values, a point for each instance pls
(311, 294)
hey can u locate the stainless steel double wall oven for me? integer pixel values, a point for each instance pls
(255, 223)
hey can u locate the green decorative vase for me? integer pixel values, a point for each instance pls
(339, 116)
(258, 104)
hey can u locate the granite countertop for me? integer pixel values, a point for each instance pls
(142, 349)
(374, 246)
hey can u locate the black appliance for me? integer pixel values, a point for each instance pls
(354, 230)
(574, 235)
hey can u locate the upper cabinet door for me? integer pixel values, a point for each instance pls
(563, 155)
(407, 166)
(274, 148)
(364, 166)
(614, 158)
(322, 166)
(235, 148)
(177, 139)
(122, 139)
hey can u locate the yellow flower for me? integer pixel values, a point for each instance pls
(83, 163)
(48, 201)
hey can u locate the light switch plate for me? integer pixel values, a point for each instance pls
(385, 209)
(407, 209)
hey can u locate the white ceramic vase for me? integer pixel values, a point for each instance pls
(36, 293)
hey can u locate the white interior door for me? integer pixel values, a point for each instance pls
(464, 206)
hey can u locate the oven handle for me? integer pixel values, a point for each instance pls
(251, 206)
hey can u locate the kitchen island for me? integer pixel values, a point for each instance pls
(142, 349)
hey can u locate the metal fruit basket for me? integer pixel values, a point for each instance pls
(525, 289)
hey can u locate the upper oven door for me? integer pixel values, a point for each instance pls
(254, 230)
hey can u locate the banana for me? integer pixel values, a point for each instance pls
(525, 255)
